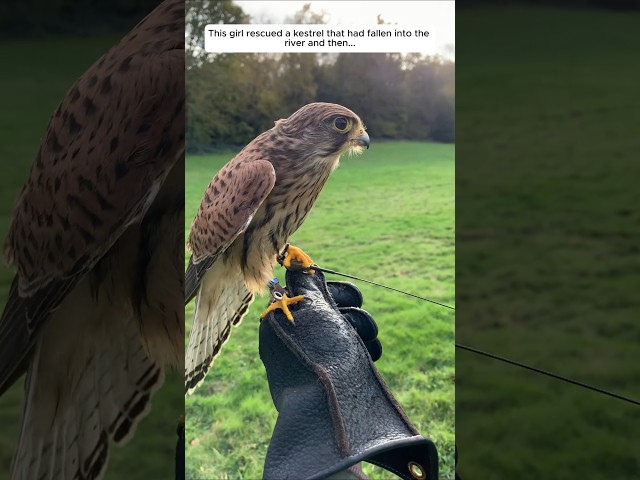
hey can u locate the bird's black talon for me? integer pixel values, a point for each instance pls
(283, 254)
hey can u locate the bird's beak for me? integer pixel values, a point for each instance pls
(363, 140)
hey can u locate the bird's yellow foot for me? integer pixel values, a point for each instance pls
(282, 302)
(298, 258)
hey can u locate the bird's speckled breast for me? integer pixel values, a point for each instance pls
(279, 217)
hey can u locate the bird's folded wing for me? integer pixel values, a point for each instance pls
(105, 155)
(228, 206)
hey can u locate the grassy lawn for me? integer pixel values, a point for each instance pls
(388, 216)
(36, 74)
(548, 227)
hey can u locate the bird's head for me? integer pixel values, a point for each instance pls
(326, 130)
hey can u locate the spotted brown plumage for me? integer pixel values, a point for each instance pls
(249, 210)
(94, 313)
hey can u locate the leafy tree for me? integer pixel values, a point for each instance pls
(200, 13)
(231, 98)
(306, 16)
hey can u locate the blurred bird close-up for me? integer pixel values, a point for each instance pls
(94, 315)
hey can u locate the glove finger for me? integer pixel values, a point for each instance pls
(374, 347)
(345, 294)
(363, 323)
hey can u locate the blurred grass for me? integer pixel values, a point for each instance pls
(387, 216)
(548, 226)
(36, 74)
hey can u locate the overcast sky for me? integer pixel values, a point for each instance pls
(438, 15)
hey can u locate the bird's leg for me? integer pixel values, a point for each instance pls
(280, 300)
(292, 258)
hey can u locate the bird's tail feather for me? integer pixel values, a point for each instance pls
(66, 434)
(218, 308)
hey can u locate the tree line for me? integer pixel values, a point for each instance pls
(231, 98)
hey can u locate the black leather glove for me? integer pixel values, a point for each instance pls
(348, 299)
(334, 408)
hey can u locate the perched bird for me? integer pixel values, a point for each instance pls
(95, 313)
(248, 211)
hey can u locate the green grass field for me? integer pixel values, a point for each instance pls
(387, 216)
(36, 74)
(547, 241)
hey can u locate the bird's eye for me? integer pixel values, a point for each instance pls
(341, 124)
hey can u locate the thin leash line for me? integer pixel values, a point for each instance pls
(487, 354)
(326, 270)
(547, 373)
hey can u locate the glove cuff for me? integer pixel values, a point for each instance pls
(411, 458)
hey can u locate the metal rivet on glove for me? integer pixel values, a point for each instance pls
(416, 470)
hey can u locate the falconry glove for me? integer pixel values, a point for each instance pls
(334, 408)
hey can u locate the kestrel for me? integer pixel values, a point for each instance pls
(249, 210)
(95, 312)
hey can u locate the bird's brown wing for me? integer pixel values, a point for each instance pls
(98, 170)
(228, 206)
